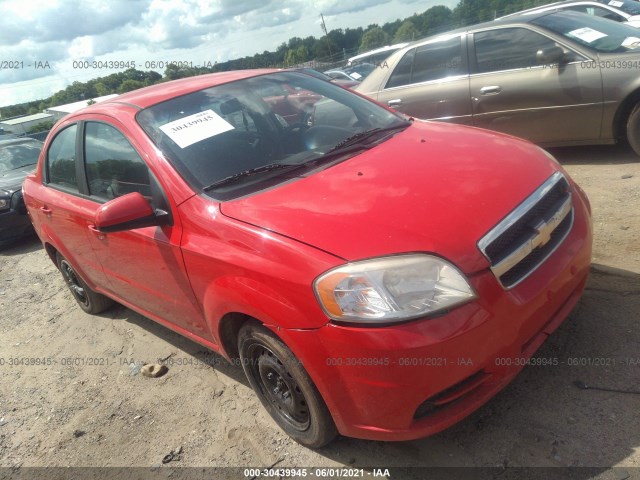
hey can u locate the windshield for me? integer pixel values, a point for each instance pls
(236, 138)
(16, 155)
(360, 70)
(596, 33)
(630, 7)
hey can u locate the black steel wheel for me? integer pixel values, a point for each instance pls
(633, 129)
(284, 387)
(90, 301)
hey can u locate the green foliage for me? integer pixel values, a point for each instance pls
(41, 127)
(406, 33)
(296, 55)
(129, 85)
(373, 38)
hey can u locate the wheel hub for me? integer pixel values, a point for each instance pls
(73, 282)
(281, 390)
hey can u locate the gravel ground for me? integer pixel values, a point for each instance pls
(85, 404)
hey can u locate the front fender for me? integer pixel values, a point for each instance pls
(248, 296)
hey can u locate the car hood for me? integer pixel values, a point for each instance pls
(434, 187)
(12, 180)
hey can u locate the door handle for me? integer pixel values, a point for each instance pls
(46, 210)
(395, 102)
(491, 90)
(96, 232)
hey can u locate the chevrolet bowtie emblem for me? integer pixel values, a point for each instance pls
(543, 233)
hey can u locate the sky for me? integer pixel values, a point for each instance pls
(45, 43)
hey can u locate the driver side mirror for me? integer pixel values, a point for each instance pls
(550, 56)
(127, 213)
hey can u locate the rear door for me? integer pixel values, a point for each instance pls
(61, 211)
(431, 81)
(512, 93)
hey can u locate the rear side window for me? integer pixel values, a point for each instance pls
(402, 73)
(434, 61)
(508, 49)
(61, 160)
(113, 166)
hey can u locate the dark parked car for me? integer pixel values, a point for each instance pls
(555, 78)
(18, 157)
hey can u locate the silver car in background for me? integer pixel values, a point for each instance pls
(556, 78)
(624, 11)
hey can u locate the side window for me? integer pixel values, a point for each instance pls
(402, 73)
(438, 60)
(61, 160)
(113, 166)
(508, 48)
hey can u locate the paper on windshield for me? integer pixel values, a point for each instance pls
(615, 3)
(355, 75)
(586, 34)
(631, 42)
(195, 128)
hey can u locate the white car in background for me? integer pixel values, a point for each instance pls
(375, 56)
(624, 11)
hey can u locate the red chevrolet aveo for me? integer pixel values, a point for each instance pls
(377, 276)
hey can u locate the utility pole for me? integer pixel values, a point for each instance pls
(324, 29)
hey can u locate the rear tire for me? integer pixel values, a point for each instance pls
(284, 387)
(633, 129)
(90, 301)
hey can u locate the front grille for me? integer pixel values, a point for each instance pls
(531, 233)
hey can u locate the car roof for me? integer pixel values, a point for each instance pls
(160, 92)
(551, 6)
(514, 19)
(396, 46)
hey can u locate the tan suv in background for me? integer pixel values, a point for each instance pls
(556, 78)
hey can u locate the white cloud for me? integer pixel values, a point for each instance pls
(61, 31)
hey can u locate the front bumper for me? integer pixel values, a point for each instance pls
(412, 380)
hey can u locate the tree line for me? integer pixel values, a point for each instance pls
(328, 50)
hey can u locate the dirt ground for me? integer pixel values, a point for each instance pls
(85, 404)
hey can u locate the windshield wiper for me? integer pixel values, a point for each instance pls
(348, 145)
(359, 137)
(252, 171)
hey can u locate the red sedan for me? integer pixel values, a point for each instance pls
(376, 276)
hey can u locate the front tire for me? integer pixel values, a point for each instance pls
(284, 387)
(90, 301)
(633, 129)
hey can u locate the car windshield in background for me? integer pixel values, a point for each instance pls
(596, 33)
(19, 154)
(236, 138)
(630, 7)
(360, 71)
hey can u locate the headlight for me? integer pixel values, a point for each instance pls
(5, 203)
(391, 289)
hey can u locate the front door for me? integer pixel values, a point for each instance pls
(546, 104)
(144, 266)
